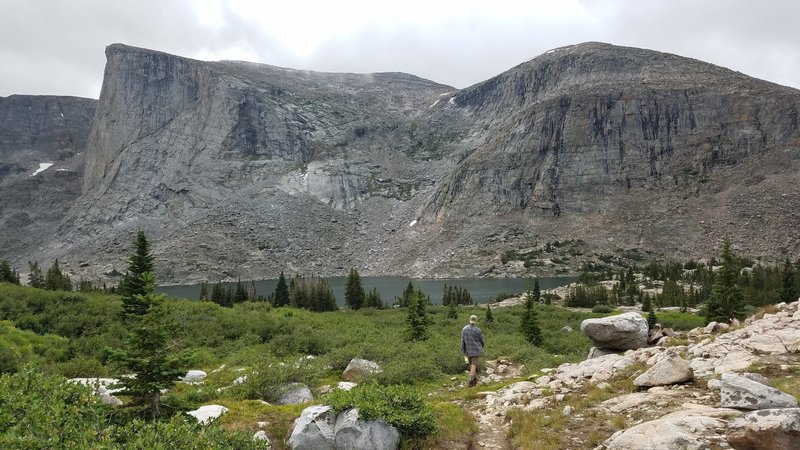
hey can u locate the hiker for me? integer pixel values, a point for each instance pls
(472, 347)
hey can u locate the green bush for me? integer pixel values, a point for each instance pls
(269, 378)
(400, 406)
(602, 309)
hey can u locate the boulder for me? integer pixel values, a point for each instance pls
(621, 332)
(767, 429)
(295, 394)
(354, 434)
(669, 433)
(194, 376)
(208, 413)
(314, 429)
(317, 428)
(743, 393)
(360, 368)
(671, 369)
(595, 352)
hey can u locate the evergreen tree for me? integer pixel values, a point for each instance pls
(452, 313)
(652, 320)
(241, 293)
(647, 303)
(374, 299)
(281, 294)
(35, 278)
(7, 274)
(354, 295)
(537, 292)
(408, 292)
(218, 294)
(726, 301)
(148, 354)
(788, 293)
(56, 280)
(140, 262)
(530, 323)
(203, 291)
(489, 315)
(417, 320)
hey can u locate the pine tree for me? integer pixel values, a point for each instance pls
(647, 304)
(408, 292)
(452, 313)
(537, 292)
(489, 315)
(281, 295)
(241, 293)
(417, 319)
(652, 320)
(726, 301)
(203, 291)
(218, 294)
(35, 278)
(788, 293)
(57, 280)
(354, 295)
(7, 274)
(530, 323)
(374, 299)
(140, 262)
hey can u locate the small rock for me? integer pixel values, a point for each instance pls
(208, 413)
(193, 376)
(567, 410)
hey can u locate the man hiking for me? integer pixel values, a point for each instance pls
(472, 347)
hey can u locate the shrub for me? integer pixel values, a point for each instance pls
(400, 406)
(602, 309)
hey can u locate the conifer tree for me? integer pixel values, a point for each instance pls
(652, 320)
(354, 296)
(407, 294)
(452, 313)
(417, 319)
(241, 293)
(218, 294)
(489, 315)
(281, 294)
(726, 301)
(35, 277)
(788, 293)
(7, 274)
(57, 280)
(374, 299)
(530, 323)
(537, 292)
(140, 262)
(203, 291)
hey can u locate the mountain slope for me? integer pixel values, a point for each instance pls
(240, 169)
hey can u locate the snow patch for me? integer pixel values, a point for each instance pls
(413, 222)
(42, 168)
(452, 101)
(62, 115)
(434, 104)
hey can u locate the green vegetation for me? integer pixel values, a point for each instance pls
(726, 300)
(417, 318)
(529, 326)
(281, 295)
(354, 295)
(7, 274)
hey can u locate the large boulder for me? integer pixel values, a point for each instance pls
(668, 433)
(621, 332)
(295, 394)
(208, 413)
(318, 428)
(360, 368)
(743, 393)
(354, 434)
(768, 429)
(671, 369)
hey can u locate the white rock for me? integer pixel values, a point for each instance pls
(714, 384)
(346, 385)
(743, 393)
(194, 376)
(359, 368)
(622, 332)
(774, 429)
(314, 429)
(670, 370)
(354, 434)
(670, 433)
(208, 413)
(295, 394)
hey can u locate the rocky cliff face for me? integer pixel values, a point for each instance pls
(39, 132)
(241, 169)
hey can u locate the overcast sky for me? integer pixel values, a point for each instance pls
(56, 46)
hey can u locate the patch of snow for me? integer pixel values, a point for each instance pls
(444, 93)
(434, 104)
(452, 101)
(549, 51)
(62, 115)
(413, 222)
(42, 168)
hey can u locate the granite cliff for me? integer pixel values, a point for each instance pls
(241, 169)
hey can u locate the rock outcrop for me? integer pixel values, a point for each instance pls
(768, 429)
(359, 368)
(620, 147)
(744, 393)
(318, 428)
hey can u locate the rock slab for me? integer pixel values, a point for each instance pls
(359, 368)
(743, 393)
(670, 370)
(669, 433)
(773, 429)
(626, 331)
(317, 428)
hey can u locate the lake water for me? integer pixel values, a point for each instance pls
(481, 289)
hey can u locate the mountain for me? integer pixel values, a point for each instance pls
(240, 169)
(41, 143)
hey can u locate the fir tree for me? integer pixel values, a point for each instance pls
(537, 292)
(218, 294)
(408, 292)
(7, 274)
(140, 262)
(452, 313)
(35, 278)
(788, 293)
(530, 323)
(281, 294)
(489, 315)
(241, 293)
(374, 299)
(652, 320)
(203, 291)
(57, 280)
(726, 301)
(354, 296)
(647, 304)
(417, 319)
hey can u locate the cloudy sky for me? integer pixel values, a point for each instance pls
(56, 46)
